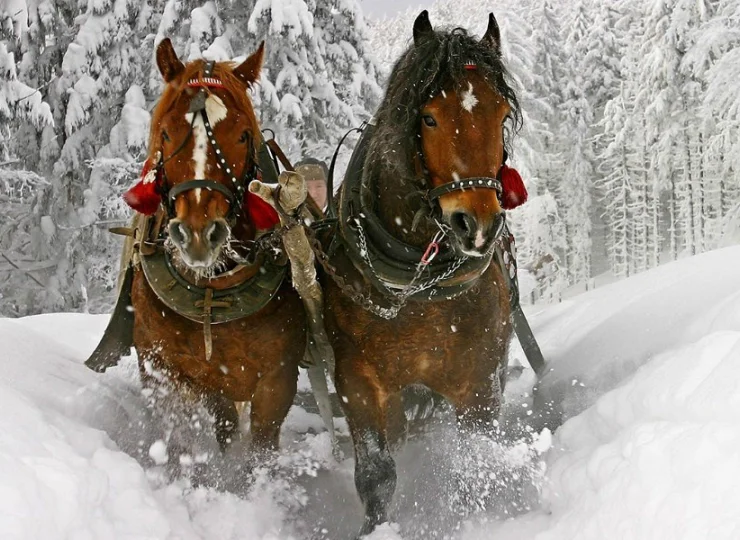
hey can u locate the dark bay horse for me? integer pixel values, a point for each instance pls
(412, 295)
(211, 325)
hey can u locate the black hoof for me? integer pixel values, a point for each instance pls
(368, 527)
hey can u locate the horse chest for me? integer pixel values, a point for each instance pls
(244, 350)
(441, 344)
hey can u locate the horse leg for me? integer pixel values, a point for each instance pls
(226, 419)
(271, 402)
(396, 425)
(479, 407)
(365, 406)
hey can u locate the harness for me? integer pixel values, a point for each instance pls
(399, 271)
(255, 280)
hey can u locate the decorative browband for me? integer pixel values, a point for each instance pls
(210, 82)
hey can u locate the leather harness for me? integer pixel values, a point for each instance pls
(395, 262)
(210, 302)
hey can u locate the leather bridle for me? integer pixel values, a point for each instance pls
(235, 196)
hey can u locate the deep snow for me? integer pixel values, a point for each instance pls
(644, 373)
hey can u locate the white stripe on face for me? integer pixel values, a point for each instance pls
(216, 111)
(468, 99)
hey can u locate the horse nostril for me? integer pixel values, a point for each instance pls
(463, 224)
(216, 234)
(180, 233)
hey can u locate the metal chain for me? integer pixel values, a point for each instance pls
(410, 289)
(351, 292)
(398, 299)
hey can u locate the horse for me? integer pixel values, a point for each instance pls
(214, 321)
(412, 296)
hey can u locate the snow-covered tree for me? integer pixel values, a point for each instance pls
(318, 78)
(574, 192)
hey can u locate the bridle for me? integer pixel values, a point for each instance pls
(234, 197)
(430, 195)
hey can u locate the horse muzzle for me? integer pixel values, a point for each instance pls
(199, 248)
(473, 236)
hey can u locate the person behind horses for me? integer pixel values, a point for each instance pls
(315, 172)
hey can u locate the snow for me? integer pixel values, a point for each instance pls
(643, 385)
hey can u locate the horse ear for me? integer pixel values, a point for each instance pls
(249, 70)
(167, 61)
(492, 37)
(422, 27)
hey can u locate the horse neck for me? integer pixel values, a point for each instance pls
(397, 205)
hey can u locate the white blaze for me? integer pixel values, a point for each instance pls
(469, 100)
(216, 111)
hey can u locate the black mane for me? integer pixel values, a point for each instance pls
(423, 71)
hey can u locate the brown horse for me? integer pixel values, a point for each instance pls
(193, 271)
(419, 220)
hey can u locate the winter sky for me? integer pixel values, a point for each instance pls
(379, 8)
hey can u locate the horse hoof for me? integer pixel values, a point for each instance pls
(368, 527)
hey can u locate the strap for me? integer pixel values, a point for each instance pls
(201, 184)
(207, 334)
(331, 208)
(506, 259)
(527, 340)
(278, 152)
(477, 182)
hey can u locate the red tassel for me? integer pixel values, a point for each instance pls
(144, 197)
(515, 193)
(262, 215)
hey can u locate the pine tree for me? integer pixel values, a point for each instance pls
(541, 240)
(318, 79)
(574, 194)
(617, 163)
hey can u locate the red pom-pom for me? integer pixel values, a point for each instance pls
(263, 215)
(515, 194)
(144, 196)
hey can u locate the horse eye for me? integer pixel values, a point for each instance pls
(244, 138)
(429, 121)
(165, 137)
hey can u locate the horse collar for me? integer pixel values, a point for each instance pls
(187, 299)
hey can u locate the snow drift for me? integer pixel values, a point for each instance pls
(643, 394)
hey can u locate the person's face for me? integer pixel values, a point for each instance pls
(317, 190)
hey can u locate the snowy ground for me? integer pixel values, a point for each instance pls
(644, 398)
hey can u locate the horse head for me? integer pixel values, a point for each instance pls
(204, 141)
(446, 108)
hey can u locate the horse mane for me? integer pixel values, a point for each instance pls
(423, 71)
(194, 70)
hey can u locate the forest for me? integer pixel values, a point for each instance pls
(629, 145)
